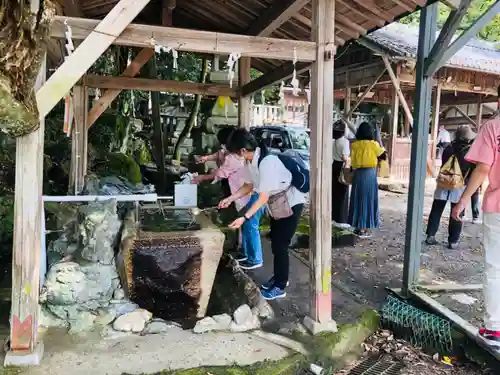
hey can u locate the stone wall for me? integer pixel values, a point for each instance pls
(82, 286)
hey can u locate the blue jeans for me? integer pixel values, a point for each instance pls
(251, 245)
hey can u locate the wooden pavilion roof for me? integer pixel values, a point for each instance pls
(354, 18)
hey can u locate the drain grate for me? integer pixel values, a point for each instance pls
(375, 366)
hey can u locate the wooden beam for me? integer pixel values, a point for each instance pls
(109, 95)
(275, 16)
(341, 19)
(372, 8)
(395, 82)
(364, 94)
(279, 74)
(157, 85)
(26, 253)
(195, 41)
(402, 4)
(96, 42)
(360, 13)
(244, 104)
(466, 117)
(322, 107)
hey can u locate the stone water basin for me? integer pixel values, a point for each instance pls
(168, 260)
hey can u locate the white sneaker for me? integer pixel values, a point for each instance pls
(477, 221)
(341, 225)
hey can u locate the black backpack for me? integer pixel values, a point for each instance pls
(300, 173)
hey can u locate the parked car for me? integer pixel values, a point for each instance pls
(290, 140)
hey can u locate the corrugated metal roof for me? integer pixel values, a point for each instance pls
(402, 40)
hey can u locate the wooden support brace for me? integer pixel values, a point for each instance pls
(395, 82)
(109, 95)
(98, 39)
(279, 74)
(364, 94)
(466, 117)
(275, 16)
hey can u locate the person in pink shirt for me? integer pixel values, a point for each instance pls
(232, 169)
(485, 153)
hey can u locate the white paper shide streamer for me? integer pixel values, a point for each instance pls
(161, 48)
(231, 63)
(70, 47)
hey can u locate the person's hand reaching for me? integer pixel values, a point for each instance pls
(197, 179)
(456, 212)
(237, 223)
(202, 159)
(225, 203)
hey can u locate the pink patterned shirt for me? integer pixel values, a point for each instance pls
(486, 150)
(234, 170)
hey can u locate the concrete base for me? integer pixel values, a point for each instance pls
(24, 358)
(316, 327)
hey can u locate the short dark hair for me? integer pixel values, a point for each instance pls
(365, 132)
(338, 129)
(224, 134)
(241, 139)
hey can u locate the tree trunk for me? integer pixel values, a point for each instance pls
(158, 149)
(194, 112)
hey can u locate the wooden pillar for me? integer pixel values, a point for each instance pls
(436, 110)
(479, 112)
(79, 137)
(27, 244)
(244, 104)
(322, 106)
(394, 128)
(347, 103)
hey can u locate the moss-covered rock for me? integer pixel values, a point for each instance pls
(335, 350)
(121, 165)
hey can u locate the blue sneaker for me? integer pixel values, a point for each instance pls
(269, 284)
(273, 293)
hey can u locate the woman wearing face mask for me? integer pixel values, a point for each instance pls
(219, 157)
(270, 182)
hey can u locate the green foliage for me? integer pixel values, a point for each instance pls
(6, 221)
(490, 32)
(120, 165)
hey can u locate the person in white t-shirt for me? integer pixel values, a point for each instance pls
(340, 191)
(269, 177)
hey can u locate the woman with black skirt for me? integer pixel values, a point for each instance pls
(340, 191)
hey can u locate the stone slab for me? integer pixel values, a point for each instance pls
(316, 327)
(24, 358)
